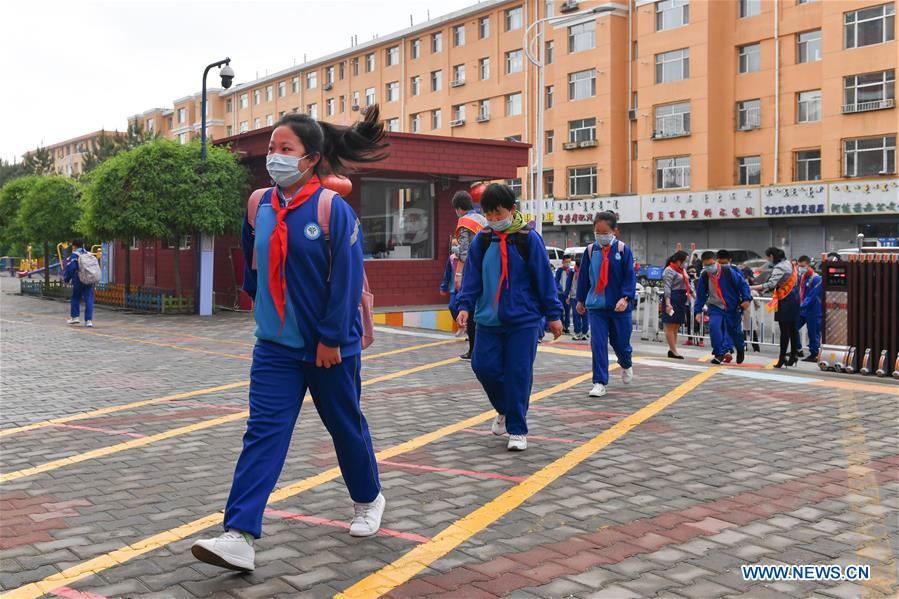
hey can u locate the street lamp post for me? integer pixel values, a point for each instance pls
(206, 243)
(540, 63)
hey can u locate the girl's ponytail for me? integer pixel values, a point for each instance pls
(362, 141)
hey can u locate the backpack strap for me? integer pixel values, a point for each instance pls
(519, 240)
(253, 205)
(620, 247)
(324, 211)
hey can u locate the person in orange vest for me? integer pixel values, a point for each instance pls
(470, 224)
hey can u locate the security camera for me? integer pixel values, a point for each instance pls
(227, 74)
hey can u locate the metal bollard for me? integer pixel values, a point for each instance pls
(896, 368)
(866, 362)
(882, 364)
(850, 362)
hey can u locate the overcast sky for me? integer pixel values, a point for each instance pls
(73, 67)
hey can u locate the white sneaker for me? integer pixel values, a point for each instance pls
(498, 427)
(598, 390)
(232, 550)
(627, 375)
(75, 320)
(517, 443)
(89, 324)
(367, 518)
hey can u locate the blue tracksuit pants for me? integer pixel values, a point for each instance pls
(581, 323)
(79, 291)
(609, 329)
(725, 329)
(498, 353)
(813, 329)
(566, 314)
(278, 383)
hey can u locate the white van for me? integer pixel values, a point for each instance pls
(555, 256)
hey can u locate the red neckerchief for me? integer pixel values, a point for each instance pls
(717, 285)
(277, 245)
(807, 274)
(679, 269)
(603, 270)
(504, 264)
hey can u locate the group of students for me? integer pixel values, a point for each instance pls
(722, 293)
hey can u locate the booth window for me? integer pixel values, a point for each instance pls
(397, 220)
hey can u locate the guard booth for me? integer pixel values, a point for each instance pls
(861, 310)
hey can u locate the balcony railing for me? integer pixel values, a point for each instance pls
(674, 125)
(867, 106)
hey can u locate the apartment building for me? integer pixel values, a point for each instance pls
(706, 122)
(68, 155)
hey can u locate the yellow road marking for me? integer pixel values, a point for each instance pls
(183, 430)
(147, 402)
(100, 563)
(770, 365)
(705, 358)
(419, 558)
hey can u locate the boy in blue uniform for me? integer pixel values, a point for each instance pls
(725, 291)
(448, 285)
(810, 306)
(508, 284)
(564, 279)
(79, 290)
(607, 285)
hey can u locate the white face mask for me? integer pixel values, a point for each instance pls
(284, 169)
(500, 225)
(603, 239)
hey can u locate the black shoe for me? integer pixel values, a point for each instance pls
(800, 354)
(741, 355)
(717, 360)
(781, 360)
(566, 332)
(671, 354)
(466, 356)
(793, 360)
(810, 359)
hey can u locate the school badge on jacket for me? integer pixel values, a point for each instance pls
(312, 231)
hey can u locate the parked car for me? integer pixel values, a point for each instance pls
(760, 269)
(555, 256)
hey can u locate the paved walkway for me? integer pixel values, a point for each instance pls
(118, 445)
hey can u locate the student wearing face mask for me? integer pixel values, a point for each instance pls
(508, 289)
(306, 280)
(725, 291)
(469, 224)
(809, 306)
(784, 288)
(605, 291)
(564, 279)
(676, 294)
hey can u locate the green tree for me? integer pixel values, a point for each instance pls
(11, 195)
(9, 171)
(48, 213)
(99, 149)
(162, 190)
(39, 162)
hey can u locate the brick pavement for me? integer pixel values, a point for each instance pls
(736, 472)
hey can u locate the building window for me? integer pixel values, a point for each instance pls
(582, 84)
(282, 89)
(515, 186)
(244, 100)
(329, 75)
(330, 107)
(369, 62)
(749, 170)
(268, 93)
(484, 68)
(415, 123)
(244, 126)
(393, 91)
(749, 115)
(182, 115)
(672, 13)
(436, 42)
(582, 37)
(257, 124)
(459, 113)
(483, 110)
(342, 104)
(416, 85)
(436, 119)
(341, 70)
(393, 124)
(550, 96)
(295, 85)
(870, 91)
(550, 49)
(808, 106)
(269, 120)
(229, 105)
(582, 181)
(436, 81)
(750, 8)
(459, 35)
(514, 61)
(867, 26)
(808, 166)
(673, 173)
(312, 80)
(672, 120)
(549, 8)
(355, 99)
(230, 130)
(750, 58)
(869, 156)
(355, 66)
(582, 130)
(183, 137)
(673, 66)
(514, 18)
(312, 110)
(549, 144)
(393, 55)
(513, 104)
(808, 46)
(415, 47)
(483, 28)
(369, 96)
(458, 74)
(397, 217)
